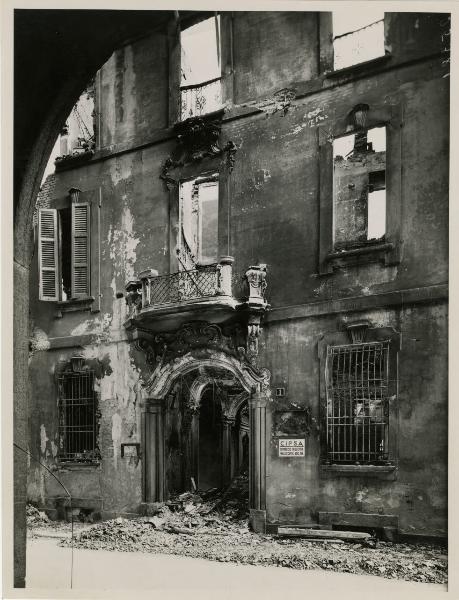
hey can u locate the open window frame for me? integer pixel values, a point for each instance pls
(226, 62)
(386, 252)
(327, 51)
(84, 249)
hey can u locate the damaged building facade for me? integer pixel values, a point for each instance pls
(250, 272)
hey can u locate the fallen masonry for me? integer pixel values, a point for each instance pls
(227, 540)
(213, 525)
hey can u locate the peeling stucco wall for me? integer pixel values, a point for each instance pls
(271, 215)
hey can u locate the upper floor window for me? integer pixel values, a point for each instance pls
(198, 222)
(200, 89)
(76, 140)
(359, 188)
(64, 250)
(358, 36)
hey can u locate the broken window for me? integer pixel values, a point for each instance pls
(358, 36)
(198, 222)
(357, 403)
(64, 251)
(77, 415)
(200, 90)
(77, 136)
(359, 188)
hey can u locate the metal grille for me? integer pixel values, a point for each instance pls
(77, 417)
(184, 285)
(357, 406)
(201, 98)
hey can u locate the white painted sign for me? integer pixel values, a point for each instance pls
(291, 447)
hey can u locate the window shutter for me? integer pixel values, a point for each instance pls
(48, 254)
(80, 250)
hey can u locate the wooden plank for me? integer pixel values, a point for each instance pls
(358, 519)
(323, 533)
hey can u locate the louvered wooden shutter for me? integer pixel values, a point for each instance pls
(80, 250)
(48, 254)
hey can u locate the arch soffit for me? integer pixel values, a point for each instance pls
(162, 380)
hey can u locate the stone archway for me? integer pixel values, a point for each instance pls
(56, 52)
(255, 391)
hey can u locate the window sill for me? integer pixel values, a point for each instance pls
(377, 252)
(74, 305)
(78, 466)
(209, 116)
(376, 471)
(357, 68)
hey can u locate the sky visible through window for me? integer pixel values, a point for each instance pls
(199, 53)
(362, 45)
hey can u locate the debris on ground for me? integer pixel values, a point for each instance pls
(35, 517)
(231, 541)
(213, 525)
(40, 525)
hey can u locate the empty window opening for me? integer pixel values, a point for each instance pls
(198, 227)
(359, 188)
(357, 403)
(358, 36)
(200, 68)
(78, 134)
(77, 417)
(376, 205)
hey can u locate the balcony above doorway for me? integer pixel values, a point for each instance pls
(164, 302)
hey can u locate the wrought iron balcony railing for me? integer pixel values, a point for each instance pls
(153, 291)
(201, 98)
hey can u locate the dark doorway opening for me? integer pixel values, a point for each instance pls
(210, 441)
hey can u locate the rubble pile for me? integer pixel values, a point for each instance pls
(203, 511)
(228, 541)
(213, 525)
(35, 517)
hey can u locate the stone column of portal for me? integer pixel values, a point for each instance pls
(227, 434)
(154, 451)
(257, 462)
(190, 430)
(194, 450)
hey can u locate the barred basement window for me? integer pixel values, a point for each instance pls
(357, 403)
(77, 417)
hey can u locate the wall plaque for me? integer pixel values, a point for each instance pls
(291, 447)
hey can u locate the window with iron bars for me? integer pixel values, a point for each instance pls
(77, 417)
(357, 377)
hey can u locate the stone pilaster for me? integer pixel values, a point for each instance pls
(154, 451)
(228, 424)
(257, 462)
